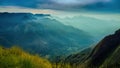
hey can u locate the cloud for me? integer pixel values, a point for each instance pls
(79, 2)
(16, 9)
(66, 5)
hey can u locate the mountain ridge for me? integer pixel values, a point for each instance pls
(38, 33)
(104, 55)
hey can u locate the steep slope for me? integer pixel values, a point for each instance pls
(113, 61)
(78, 58)
(104, 49)
(106, 54)
(38, 33)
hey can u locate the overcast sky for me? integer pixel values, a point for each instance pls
(66, 5)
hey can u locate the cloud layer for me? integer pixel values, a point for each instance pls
(71, 5)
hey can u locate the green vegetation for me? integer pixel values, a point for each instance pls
(61, 65)
(16, 58)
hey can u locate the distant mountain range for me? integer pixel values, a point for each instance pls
(40, 34)
(106, 54)
(98, 27)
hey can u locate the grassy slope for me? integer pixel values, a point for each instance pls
(16, 58)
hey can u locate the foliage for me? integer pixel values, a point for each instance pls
(61, 65)
(16, 58)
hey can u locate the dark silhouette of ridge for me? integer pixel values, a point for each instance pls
(105, 53)
(105, 48)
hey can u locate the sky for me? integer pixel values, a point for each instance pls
(65, 5)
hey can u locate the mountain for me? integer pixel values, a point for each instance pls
(78, 58)
(93, 24)
(106, 49)
(104, 55)
(40, 34)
